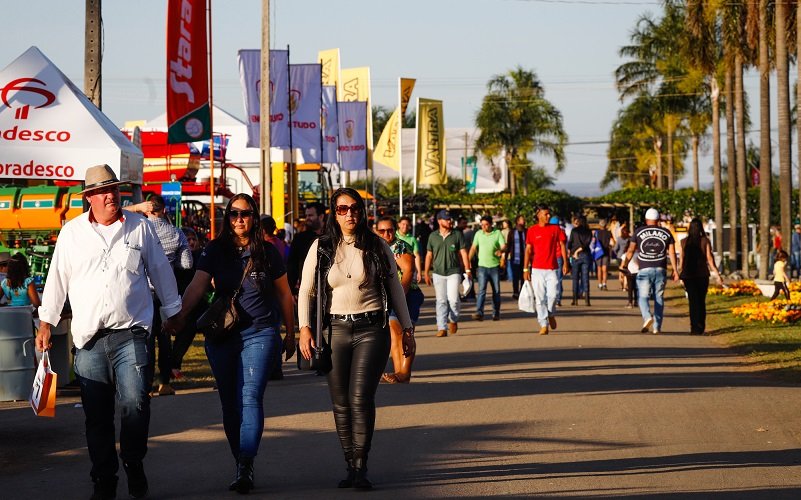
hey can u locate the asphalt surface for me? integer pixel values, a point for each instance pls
(595, 409)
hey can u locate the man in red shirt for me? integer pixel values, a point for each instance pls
(544, 243)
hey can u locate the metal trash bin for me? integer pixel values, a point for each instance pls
(17, 353)
(61, 357)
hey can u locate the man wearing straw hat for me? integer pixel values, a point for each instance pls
(102, 262)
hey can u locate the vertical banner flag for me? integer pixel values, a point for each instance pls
(330, 61)
(431, 154)
(188, 112)
(250, 80)
(406, 88)
(304, 109)
(354, 85)
(387, 151)
(352, 119)
(328, 118)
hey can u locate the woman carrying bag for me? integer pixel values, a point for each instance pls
(360, 284)
(695, 262)
(252, 271)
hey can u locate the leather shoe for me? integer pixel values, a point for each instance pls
(453, 327)
(105, 488)
(244, 476)
(360, 481)
(442, 333)
(348, 481)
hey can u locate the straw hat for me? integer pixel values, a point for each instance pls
(100, 176)
(5, 257)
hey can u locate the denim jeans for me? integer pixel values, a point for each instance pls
(493, 275)
(544, 283)
(446, 289)
(795, 264)
(559, 276)
(241, 365)
(652, 280)
(113, 367)
(581, 274)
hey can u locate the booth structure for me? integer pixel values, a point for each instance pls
(50, 134)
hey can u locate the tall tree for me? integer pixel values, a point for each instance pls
(731, 171)
(516, 120)
(783, 109)
(763, 34)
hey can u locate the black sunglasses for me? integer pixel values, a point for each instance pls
(385, 231)
(343, 209)
(235, 214)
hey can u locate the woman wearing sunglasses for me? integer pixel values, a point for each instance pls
(361, 280)
(242, 362)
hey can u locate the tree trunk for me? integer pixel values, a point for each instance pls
(512, 178)
(670, 130)
(658, 149)
(718, 188)
(764, 141)
(798, 96)
(696, 181)
(742, 176)
(731, 264)
(783, 107)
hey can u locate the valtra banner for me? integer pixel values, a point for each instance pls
(188, 113)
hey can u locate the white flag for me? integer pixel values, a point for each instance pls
(250, 79)
(305, 100)
(330, 125)
(352, 118)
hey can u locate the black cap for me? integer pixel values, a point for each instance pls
(444, 215)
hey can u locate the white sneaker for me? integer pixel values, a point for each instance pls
(647, 325)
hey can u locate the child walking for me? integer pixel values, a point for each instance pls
(780, 279)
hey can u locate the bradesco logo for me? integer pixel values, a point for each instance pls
(23, 92)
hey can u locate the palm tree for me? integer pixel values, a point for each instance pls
(516, 120)
(783, 108)
(759, 17)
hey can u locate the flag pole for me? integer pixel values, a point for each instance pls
(266, 183)
(291, 188)
(322, 133)
(212, 210)
(400, 150)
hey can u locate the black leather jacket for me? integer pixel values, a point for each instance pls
(325, 259)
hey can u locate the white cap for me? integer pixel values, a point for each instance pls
(652, 214)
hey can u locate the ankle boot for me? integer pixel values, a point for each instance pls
(587, 299)
(360, 481)
(244, 476)
(348, 481)
(574, 302)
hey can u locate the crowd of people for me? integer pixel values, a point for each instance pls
(134, 281)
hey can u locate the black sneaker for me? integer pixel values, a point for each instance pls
(105, 489)
(137, 481)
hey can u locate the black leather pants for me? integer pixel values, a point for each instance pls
(359, 353)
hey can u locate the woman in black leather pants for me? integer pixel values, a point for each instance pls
(360, 278)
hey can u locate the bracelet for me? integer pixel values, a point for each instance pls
(526, 269)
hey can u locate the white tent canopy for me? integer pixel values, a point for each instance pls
(50, 130)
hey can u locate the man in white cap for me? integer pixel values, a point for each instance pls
(654, 246)
(102, 262)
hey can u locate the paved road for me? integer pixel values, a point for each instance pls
(595, 409)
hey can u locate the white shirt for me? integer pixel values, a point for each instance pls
(107, 283)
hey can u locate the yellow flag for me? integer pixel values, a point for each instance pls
(387, 151)
(330, 61)
(431, 154)
(406, 87)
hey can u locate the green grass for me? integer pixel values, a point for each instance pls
(195, 367)
(771, 349)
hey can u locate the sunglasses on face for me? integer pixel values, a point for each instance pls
(385, 231)
(344, 209)
(235, 214)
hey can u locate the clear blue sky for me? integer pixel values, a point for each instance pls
(452, 47)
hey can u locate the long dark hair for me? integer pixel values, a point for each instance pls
(258, 252)
(17, 272)
(695, 233)
(367, 241)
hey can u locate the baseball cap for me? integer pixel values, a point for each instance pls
(652, 214)
(554, 220)
(444, 215)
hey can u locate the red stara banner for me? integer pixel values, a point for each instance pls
(188, 112)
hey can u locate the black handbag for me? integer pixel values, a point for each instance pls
(220, 319)
(321, 354)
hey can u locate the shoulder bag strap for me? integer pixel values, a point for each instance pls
(318, 334)
(241, 282)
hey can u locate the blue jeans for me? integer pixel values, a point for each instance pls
(113, 367)
(559, 276)
(652, 280)
(242, 365)
(795, 263)
(581, 274)
(493, 275)
(544, 283)
(446, 290)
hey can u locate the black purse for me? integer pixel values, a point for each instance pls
(321, 354)
(221, 318)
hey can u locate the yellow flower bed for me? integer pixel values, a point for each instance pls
(776, 311)
(737, 288)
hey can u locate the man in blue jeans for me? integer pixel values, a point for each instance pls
(102, 260)
(654, 246)
(491, 247)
